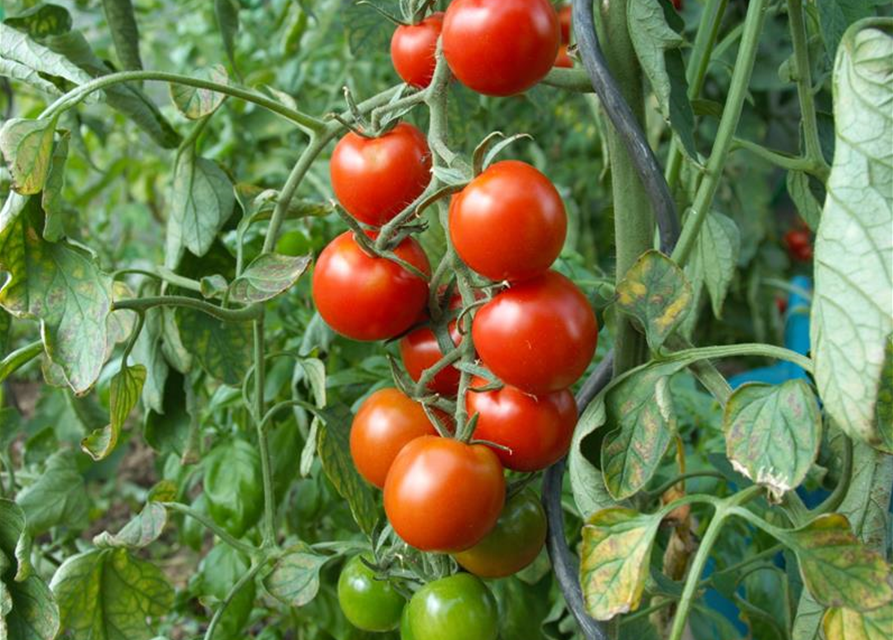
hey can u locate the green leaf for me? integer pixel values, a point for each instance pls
(227, 14)
(61, 285)
(773, 433)
(658, 46)
(866, 504)
(314, 372)
(27, 608)
(267, 276)
(168, 430)
(28, 61)
(125, 34)
(110, 595)
(656, 293)
(43, 19)
(147, 352)
(615, 560)
(51, 198)
(837, 569)
(846, 624)
(587, 482)
(808, 205)
(333, 444)
(851, 320)
(223, 348)
(234, 486)
(834, 18)
(195, 103)
(218, 573)
(58, 497)
(127, 99)
(883, 408)
(201, 202)
(642, 408)
(27, 147)
(213, 286)
(141, 531)
(715, 257)
(124, 393)
(295, 577)
(366, 29)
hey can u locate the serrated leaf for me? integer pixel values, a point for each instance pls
(124, 393)
(43, 19)
(202, 201)
(223, 349)
(27, 608)
(267, 276)
(141, 531)
(587, 482)
(27, 146)
(851, 319)
(656, 293)
(715, 257)
(615, 560)
(773, 433)
(295, 577)
(195, 103)
(19, 52)
(838, 570)
(846, 624)
(333, 444)
(57, 497)
(110, 595)
(655, 32)
(51, 198)
(808, 206)
(641, 407)
(125, 34)
(61, 285)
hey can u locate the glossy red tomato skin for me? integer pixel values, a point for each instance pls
(386, 421)
(514, 542)
(376, 178)
(509, 223)
(419, 351)
(500, 47)
(538, 335)
(368, 298)
(444, 495)
(537, 430)
(562, 59)
(564, 19)
(413, 47)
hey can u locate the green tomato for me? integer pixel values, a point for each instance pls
(369, 604)
(456, 608)
(406, 626)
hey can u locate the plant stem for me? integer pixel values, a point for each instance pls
(19, 358)
(211, 526)
(165, 275)
(72, 98)
(703, 201)
(262, 438)
(218, 615)
(232, 315)
(780, 159)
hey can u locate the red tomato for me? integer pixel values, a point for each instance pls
(413, 47)
(514, 543)
(562, 59)
(500, 47)
(420, 351)
(509, 222)
(386, 421)
(538, 335)
(368, 298)
(564, 19)
(374, 179)
(537, 430)
(799, 245)
(444, 495)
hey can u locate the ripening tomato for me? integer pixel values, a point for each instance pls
(799, 244)
(385, 422)
(444, 495)
(536, 430)
(368, 298)
(509, 222)
(369, 604)
(500, 47)
(374, 179)
(514, 543)
(563, 59)
(538, 335)
(564, 20)
(413, 47)
(459, 607)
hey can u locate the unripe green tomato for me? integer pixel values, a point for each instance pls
(456, 608)
(369, 604)
(406, 626)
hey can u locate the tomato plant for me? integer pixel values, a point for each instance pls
(596, 294)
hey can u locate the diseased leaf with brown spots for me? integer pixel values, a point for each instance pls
(846, 624)
(195, 103)
(27, 146)
(125, 390)
(267, 276)
(656, 293)
(222, 348)
(614, 561)
(295, 577)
